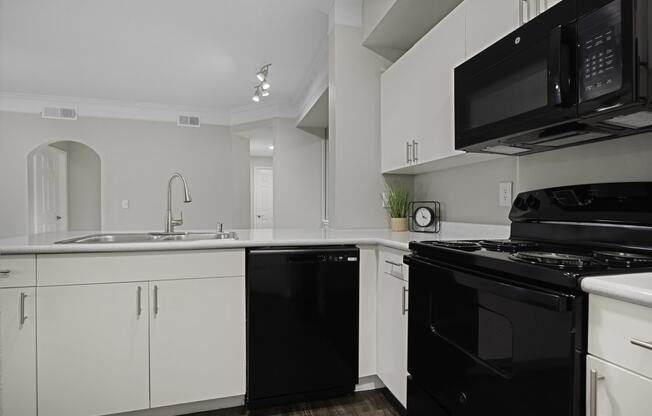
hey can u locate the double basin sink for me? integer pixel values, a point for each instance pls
(121, 238)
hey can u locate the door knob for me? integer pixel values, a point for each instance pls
(58, 218)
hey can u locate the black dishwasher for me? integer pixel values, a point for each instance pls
(302, 323)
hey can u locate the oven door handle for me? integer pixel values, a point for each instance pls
(550, 301)
(501, 373)
(559, 64)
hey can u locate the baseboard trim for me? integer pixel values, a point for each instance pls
(393, 401)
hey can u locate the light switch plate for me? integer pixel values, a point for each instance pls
(125, 204)
(505, 194)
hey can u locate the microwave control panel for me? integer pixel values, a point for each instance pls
(600, 54)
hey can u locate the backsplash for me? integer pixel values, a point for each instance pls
(470, 193)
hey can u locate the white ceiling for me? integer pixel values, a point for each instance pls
(195, 53)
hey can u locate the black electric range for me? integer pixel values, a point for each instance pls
(499, 326)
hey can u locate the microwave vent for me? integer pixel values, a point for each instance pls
(59, 113)
(639, 120)
(188, 121)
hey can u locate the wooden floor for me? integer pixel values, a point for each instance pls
(367, 403)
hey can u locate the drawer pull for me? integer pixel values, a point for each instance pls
(5, 273)
(393, 263)
(642, 344)
(404, 308)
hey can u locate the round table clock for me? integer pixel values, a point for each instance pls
(424, 216)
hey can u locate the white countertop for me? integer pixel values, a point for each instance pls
(45, 243)
(632, 288)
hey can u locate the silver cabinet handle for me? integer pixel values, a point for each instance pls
(23, 317)
(415, 151)
(155, 300)
(393, 263)
(404, 309)
(642, 344)
(593, 393)
(5, 273)
(139, 302)
(522, 6)
(409, 153)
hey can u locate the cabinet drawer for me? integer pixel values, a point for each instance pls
(616, 391)
(68, 269)
(621, 333)
(391, 262)
(17, 271)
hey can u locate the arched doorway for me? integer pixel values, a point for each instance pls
(64, 188)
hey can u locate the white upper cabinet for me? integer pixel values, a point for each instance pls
(197, 339)
(488, 21)
(418, 93)
(93, 349)
(18, 352)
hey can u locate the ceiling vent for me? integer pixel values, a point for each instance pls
(188, 121)
(59, 113)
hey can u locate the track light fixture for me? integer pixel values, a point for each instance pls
(262, 73)
(262, 89)
(257, 94)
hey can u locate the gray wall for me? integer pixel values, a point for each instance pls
(470, 193)
(137, 159)
(297, 177)
(354, 180)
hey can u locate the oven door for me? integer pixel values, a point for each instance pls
(482, 346)
(522, 83)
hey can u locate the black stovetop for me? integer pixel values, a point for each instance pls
(554, 264)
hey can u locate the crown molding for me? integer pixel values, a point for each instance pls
(114, 109)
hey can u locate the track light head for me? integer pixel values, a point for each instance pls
(262, 73)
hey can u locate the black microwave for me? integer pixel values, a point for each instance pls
(577, 73)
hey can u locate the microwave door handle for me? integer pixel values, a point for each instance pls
(555, 96)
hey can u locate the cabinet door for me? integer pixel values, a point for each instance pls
(197, 339)
(488, 21)
(392, 335)
(618, 392)
(399, 99)
(17, 352)
(92, 349)
(438, 53)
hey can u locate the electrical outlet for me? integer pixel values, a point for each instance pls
(125, 204)
(505, 194)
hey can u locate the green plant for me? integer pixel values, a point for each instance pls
(398, 199)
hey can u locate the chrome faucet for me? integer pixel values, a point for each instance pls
(171, 222)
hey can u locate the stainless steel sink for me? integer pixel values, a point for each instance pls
(121, 238)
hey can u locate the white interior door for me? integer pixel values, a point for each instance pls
(50, 190)
(263, 198)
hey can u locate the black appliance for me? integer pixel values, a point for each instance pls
(302, 323)
(498, 327)
(577, 73)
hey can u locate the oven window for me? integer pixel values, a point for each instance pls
(517, 85)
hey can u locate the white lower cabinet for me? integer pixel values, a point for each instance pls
(614, 391)
(392, 333)
(197, 339)
(17, 352)
(93, 349)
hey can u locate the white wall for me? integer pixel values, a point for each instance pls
(372, 12)
(137, 160)
(297, 177)
(354, 179)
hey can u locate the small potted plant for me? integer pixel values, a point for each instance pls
(398, 199)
